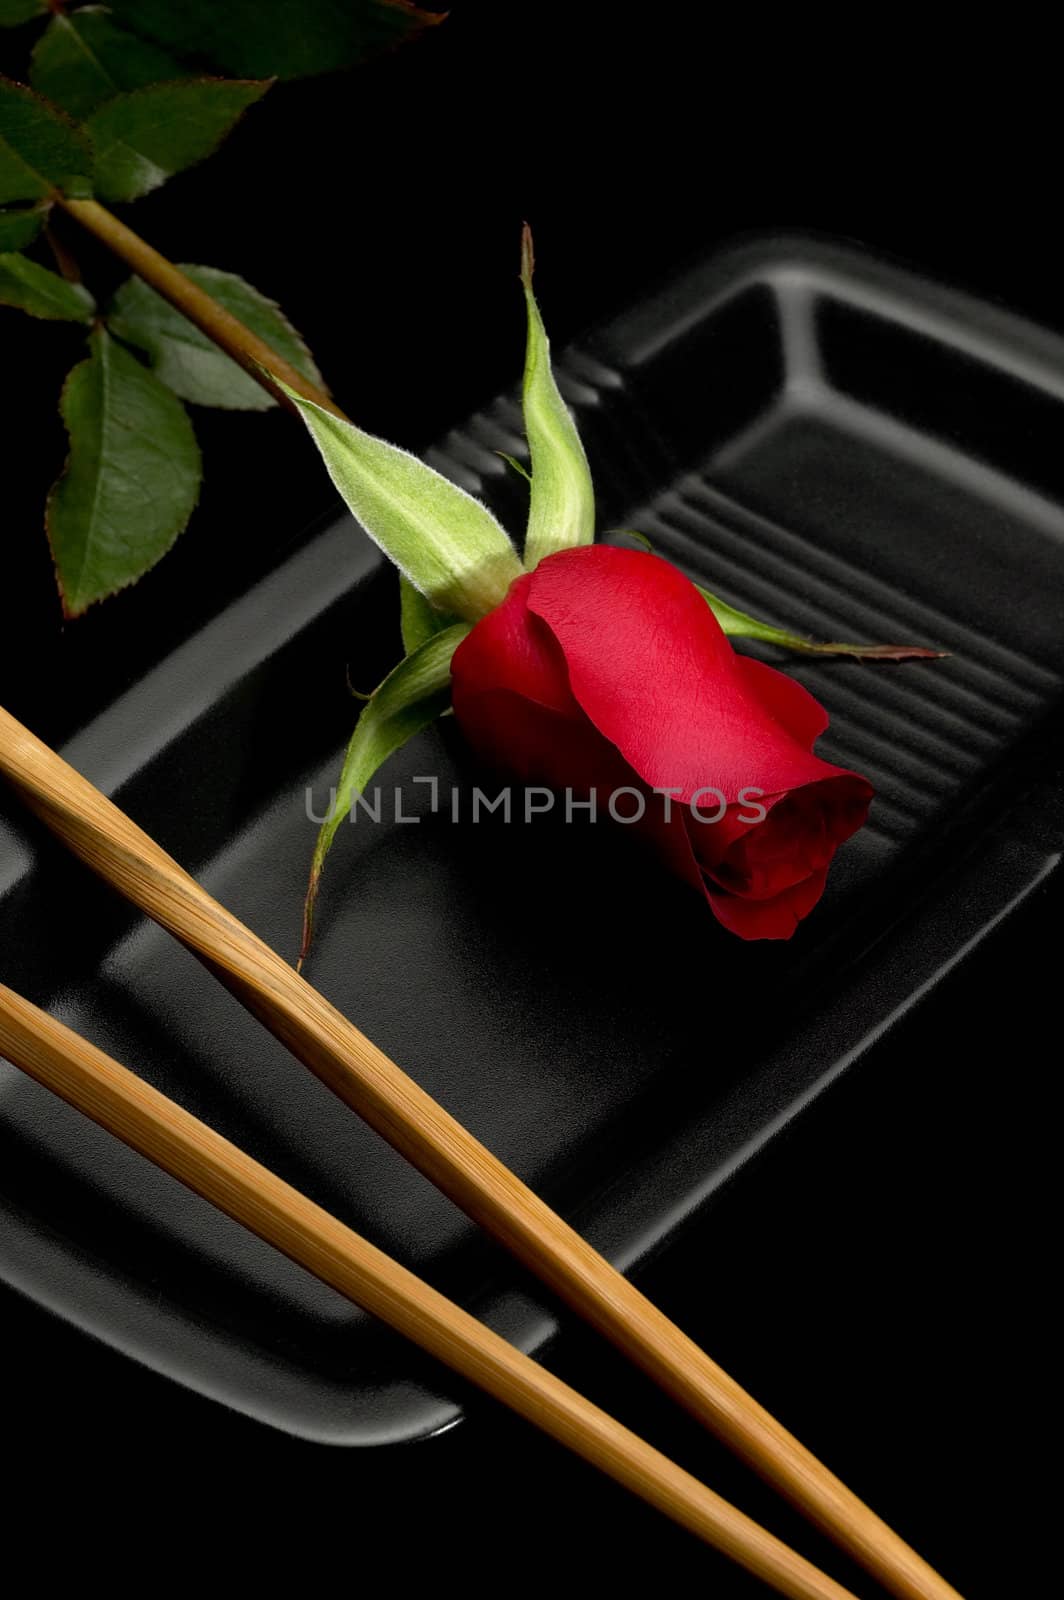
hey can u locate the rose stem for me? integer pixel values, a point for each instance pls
(257, 358)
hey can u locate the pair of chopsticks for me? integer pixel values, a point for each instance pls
(350, 1064)
(176, 1141)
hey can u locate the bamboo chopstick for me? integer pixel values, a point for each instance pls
(103, 837)
(191, 1151)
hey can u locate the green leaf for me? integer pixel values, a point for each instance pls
(186, 360)
(20, 226)
(131, 480)
(32, 288)
(14, 12)
(448, 544)
(83, 59)
(40, 150)
(418, 620)
(275, 38)
(413, 694)
(144, 137)
(740, 626)
(561, 513)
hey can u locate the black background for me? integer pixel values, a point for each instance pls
(869, 1277)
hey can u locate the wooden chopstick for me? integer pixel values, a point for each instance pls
(113, 846)
(177, 1142)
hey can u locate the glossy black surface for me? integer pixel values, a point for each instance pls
(819, 437)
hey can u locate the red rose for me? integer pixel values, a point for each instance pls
(604, 670)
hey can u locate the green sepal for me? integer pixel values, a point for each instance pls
(515, 465)
(448, 544)
(561, 511)
(412, 696)
(418, 620)
(630, 533)
(740, 626)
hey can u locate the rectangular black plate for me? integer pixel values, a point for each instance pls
(823, 439)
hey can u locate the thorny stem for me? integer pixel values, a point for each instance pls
(257, 358)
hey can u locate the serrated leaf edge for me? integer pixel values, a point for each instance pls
(70, 614)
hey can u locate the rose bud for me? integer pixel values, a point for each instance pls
(605, 669)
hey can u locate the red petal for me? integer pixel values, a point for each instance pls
(793, 707)
(509, 649)
(767, 919)
(648, 662)
(605, 669)
(798, 837)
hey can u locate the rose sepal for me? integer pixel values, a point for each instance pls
(419, 620)
(411, 697)
(561, 512)
(444, 541)
(738, 625)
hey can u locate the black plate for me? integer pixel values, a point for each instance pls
(825, 440)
